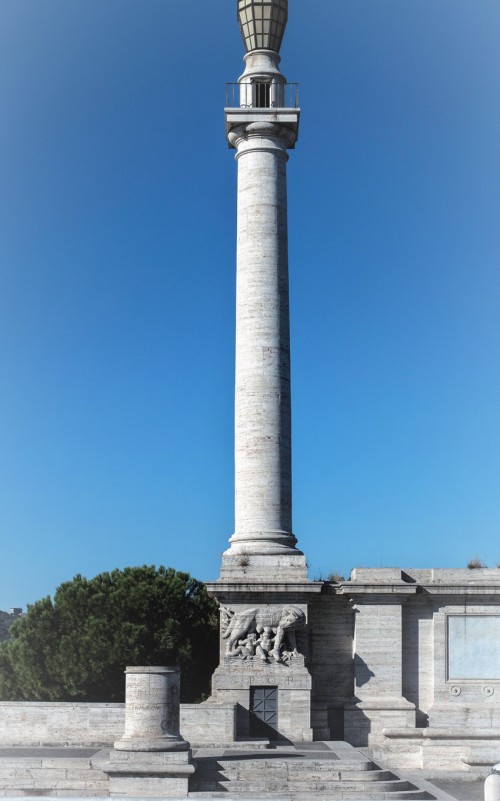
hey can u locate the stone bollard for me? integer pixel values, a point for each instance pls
(492, 784)
(151, 759)
(152, 699)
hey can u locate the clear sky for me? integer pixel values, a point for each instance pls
(117, 284)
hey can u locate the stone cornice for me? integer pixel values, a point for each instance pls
(462, 590)
(483, 590)
(241, 589)
(371, 593)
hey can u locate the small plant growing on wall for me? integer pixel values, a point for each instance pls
(335, 577)
(476, 564)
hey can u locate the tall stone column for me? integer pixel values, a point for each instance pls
(263, 587)
(263, 539)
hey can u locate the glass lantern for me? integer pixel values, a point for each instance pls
(262, 23)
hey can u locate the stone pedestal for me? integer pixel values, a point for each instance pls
(264, 647)
(149, 774)
(152, 699)
(235, 679)
(151, 759)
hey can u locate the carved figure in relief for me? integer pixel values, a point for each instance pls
(246, 647)
(282, 621)
(265, 643)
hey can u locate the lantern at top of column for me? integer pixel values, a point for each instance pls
(262, 23)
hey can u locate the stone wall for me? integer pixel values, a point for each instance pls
(331, 625)
(406, 663)
(426, 689)
(80, 724)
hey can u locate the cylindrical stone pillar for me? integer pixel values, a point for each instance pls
(152, 701)
(263, 540)
(263, 457)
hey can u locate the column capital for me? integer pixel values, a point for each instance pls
(244, 125)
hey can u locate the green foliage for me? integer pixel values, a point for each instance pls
(76, 648)
(6, 621)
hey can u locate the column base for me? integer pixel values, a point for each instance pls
(242, 566)
(364, 720)
(144, 744)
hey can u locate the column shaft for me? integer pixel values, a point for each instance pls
(263, 457)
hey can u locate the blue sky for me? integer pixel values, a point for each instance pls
(117, 282)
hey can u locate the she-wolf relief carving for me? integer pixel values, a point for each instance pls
(263, 632)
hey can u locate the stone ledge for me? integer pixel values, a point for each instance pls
(379, 589)
(380, 703)
(292, 588)
(442, 734)
(469, 588)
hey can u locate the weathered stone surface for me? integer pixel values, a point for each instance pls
(318, 690)
(152, 699)
(151, 759)
(404, 658)
(72, 724)
(149, 774)
(92, 724)
(263, 632)
(263, 540)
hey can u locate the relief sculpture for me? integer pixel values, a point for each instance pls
(264, 632)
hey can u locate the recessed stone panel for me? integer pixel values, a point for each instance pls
(473, 647)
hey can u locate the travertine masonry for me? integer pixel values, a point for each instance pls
(263, 539)
(92, 724)
(457, 725)
(404, 661)
(149, 774)
(151, 759)
(263, 513)
(152, 699)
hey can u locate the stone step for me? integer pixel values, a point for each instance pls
(295, 773)
(63, 777)
(340, 795)
(47, 793)
(47, 774)
(263, 784)
(294, 764)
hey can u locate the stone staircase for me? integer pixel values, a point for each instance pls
(53, 772)
(333, 770)
(305, 772)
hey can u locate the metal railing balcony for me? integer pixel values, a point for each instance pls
(261, 94)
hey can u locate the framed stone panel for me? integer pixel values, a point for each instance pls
(473, 647)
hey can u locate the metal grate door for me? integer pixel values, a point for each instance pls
(263, 711)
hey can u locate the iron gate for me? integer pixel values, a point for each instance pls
(263, 711)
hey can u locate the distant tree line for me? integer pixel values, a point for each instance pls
(6, 621)
(76, 647)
